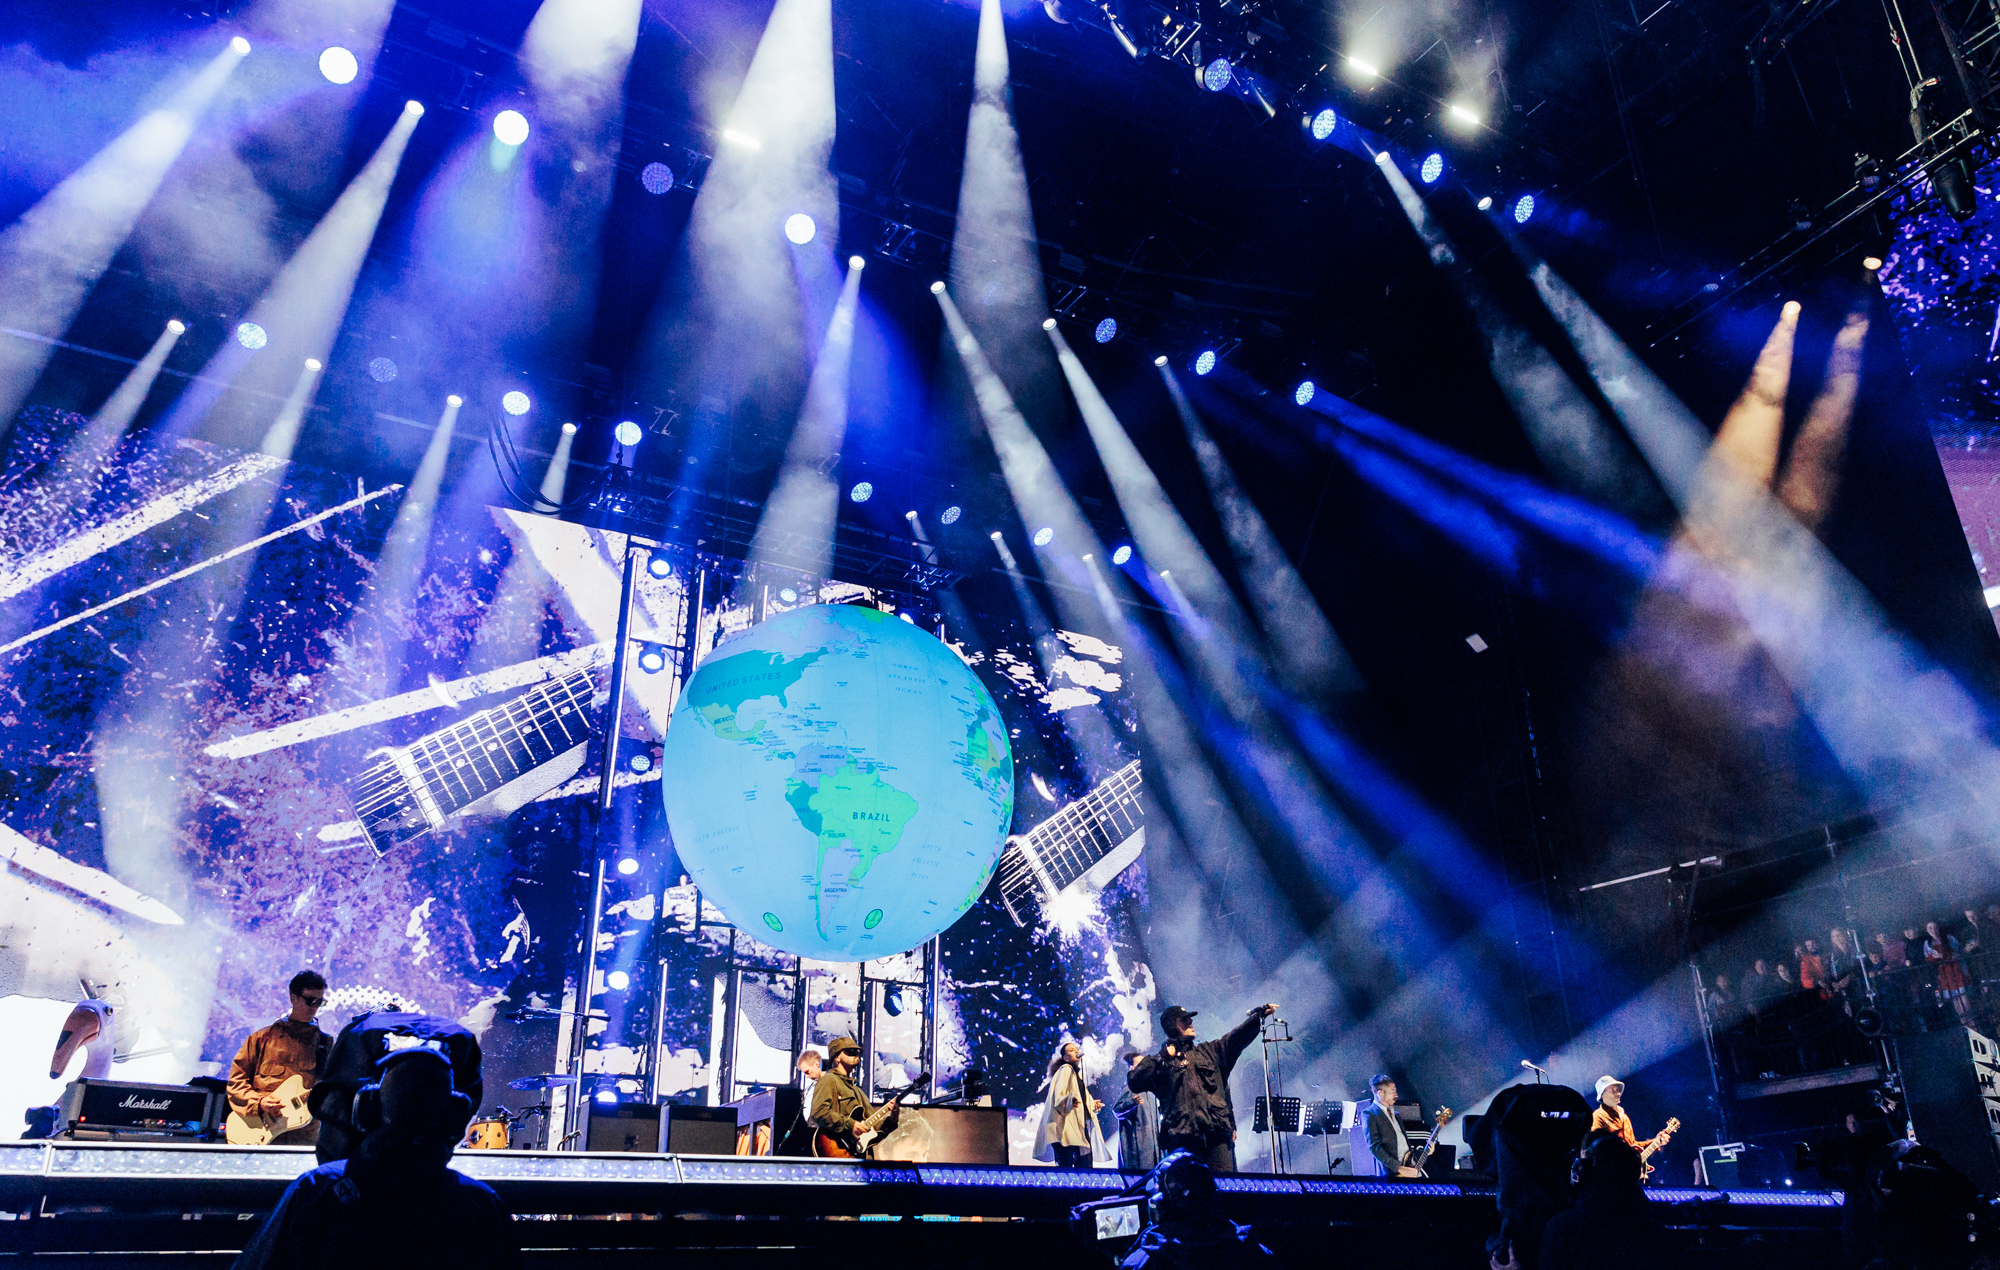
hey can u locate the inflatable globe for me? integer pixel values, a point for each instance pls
(838, 783)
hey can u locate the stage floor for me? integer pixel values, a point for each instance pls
(146, 1201)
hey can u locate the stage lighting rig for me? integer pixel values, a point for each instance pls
(1227, 46)
(1941, 140)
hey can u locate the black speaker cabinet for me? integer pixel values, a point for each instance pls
(1953, 1081)
(629, 1126)
(701, 1130)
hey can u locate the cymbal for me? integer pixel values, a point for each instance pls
(555, 1080)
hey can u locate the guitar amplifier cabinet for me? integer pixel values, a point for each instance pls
(124, 1109)
(629, 1126)
(700, 1130)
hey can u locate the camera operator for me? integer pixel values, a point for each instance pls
(396, 1191)
(1189, 1229)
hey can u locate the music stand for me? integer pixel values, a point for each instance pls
(1280, 1113)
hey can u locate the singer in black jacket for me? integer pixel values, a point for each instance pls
(1192, 1083)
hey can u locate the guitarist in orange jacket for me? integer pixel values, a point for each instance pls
(1611, 1116)
(292, 1046)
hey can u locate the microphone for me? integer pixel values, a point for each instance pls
(1531, 1067)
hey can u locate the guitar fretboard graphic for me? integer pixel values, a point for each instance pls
(416, 788)
(1039, 864)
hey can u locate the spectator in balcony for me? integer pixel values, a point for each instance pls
(1970, 932)
(1843, 966)
(1895, 952)
(1812, 970)
(1782, 983)
(1757, 984)
(1942, 951)
(1721, 1003)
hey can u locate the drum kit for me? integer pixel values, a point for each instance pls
(497, 1133)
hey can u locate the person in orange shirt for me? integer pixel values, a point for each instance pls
(1812, 970)
(1610, 1114)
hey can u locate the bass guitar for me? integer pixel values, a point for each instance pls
(1657, 1141)
(259, 1127)
(1417, 1159)
(854, 1143)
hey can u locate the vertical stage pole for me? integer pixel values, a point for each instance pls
(614, 709)
(580, 1021)
(614, 714)
(933, 993)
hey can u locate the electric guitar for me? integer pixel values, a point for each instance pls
(1656, 1142)
(259, 1127)
(1417, 1159)
(853, 1144)
(1082, 847)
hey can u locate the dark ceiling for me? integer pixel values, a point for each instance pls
(1664, 146)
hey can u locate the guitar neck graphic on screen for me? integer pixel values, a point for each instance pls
(1084, 845)
(417, 787)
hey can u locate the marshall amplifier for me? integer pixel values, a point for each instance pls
(123, 1109)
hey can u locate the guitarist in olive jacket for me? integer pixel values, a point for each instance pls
(837, 1100)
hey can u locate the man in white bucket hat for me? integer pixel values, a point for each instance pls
(1610, 1115)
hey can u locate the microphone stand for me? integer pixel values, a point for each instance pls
(1269, 1035)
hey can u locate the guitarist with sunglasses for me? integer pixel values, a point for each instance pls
(845, 1124)
(276, 1068)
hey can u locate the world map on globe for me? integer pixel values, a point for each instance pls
(838, 782)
